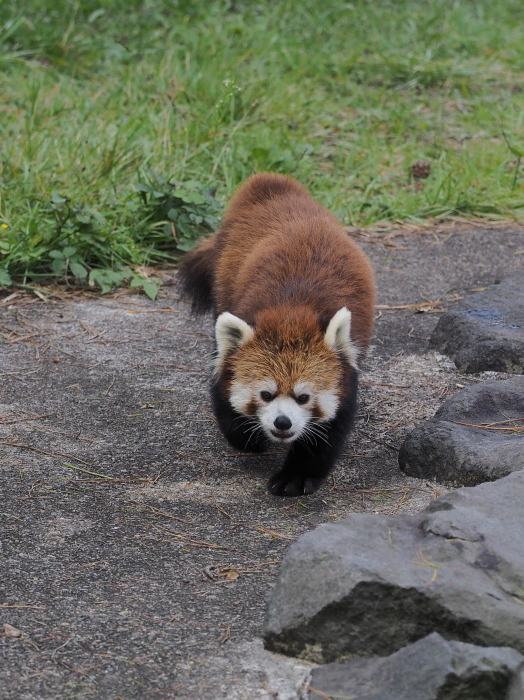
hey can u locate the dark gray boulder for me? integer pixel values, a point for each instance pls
(486, 330)
(370, 585)
(516, 691)
(444, 449)
(431, 669)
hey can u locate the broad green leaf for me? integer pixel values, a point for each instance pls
(151, 289)
(137, 281)
(95, 15)
(78, 270)
(57, 198)
(143, 187)
(5, 277)
(185, 244)
(58, 266)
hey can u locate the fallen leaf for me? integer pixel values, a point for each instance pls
(229, 573)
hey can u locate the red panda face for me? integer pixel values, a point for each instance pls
(284, 416)
(285, 373)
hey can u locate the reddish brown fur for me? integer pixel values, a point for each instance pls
(274, 232)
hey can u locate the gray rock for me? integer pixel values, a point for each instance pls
(486, 330)
(370, 585)
(430, 669)
(444, 450)
(516, 692)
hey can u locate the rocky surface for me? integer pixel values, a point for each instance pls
(432, 668)
(370, 585)
(516, 691)
(486, 330)
(452, 447)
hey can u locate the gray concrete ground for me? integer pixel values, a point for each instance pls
(153, 583)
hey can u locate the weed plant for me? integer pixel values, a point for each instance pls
(124, 126)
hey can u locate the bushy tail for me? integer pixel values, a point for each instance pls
(196, 274)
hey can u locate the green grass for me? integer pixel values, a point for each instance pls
(119, 121)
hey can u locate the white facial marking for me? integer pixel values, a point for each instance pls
(328, 403)
(268, 385)
(337, 336)
(240, 396)
(283, 406)
(268, 411)
(303, 388)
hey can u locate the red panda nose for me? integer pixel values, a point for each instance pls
(282, 423)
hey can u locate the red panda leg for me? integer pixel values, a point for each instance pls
(308, 465)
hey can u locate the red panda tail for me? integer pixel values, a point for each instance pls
(196, 274)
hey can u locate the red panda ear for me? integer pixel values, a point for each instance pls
(230, 332)
(337, 336)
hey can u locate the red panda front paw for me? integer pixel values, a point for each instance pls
(281, 484)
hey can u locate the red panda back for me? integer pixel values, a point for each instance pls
(277, 246)
(262, 187)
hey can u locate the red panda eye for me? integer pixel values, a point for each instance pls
(303, 398)
(266, 395)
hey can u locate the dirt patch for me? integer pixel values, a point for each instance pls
(120, 496)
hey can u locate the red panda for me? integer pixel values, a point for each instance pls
(294, 302)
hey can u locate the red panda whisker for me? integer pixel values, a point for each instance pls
(313, 431)
(255, 430)
(247, 421)
(317, 429)
(244, 419)
(309, 437)
(303, 439)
